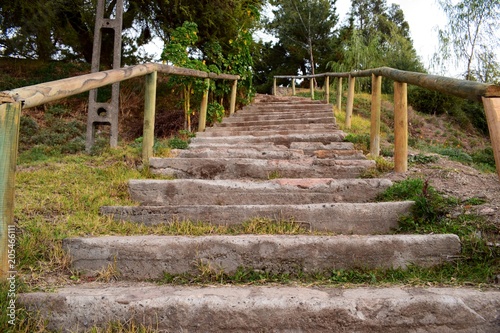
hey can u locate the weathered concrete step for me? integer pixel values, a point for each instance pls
(279, 130)
(151, 192)
(268, 308)
(287, 113)
(340, 218)
(269, 152)
(278, 119)
(231, 168)
(149, 257)
(272, 128)
(263, 153)
(276, 139)
(308, 147)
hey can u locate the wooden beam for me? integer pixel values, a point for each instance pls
(293, 86)
(234, 91)
(202, 123)
(275, 92)
(350, 102)
(492, 110)
(39, 94)
(400, 127)
(375, 115)
(10, 115)
(148, 135)
(339, 95)
(327, 89)
(311, 86)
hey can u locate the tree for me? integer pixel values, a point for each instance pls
(376, 35)
(63, 29)
(470, 36)
(305, 29)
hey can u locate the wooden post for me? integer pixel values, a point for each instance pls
(10, 115)
(327, 89)
(293, 86)
(275, 92)
(339, 95)
(234, 90)
(492, 110)
(375, 116)
(350, 102)
(202, 123)
(400, 127)
(148, 135)
(311, 86)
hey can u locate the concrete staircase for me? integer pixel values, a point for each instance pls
(280, 158)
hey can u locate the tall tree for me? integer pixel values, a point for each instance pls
(304, 28)
(470, 35)
(48, 29)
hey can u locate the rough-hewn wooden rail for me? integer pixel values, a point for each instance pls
(488, 94)
(11, 103)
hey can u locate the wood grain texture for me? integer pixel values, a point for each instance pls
(350, 102)
(400, 127)
(202, 123)
(375, 115)
(148, 136)
(492, 110)
(10, 115)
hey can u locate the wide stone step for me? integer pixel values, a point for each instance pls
(276, 139)
(324, 123)
(303, 118)
(279, 130)
(150, 257)
(150, 192)
(264, 153)
(307, 147)
(269, 152)
(267, 308)
(340, 218)
(231, 168)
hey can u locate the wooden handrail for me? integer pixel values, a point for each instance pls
(471, 90)
(488, 94)
(11, 103)
(42, 93)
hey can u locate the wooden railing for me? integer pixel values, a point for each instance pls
(22, 98)
(488, 94)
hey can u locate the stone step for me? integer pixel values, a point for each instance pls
(278, 130)
(153, 192)
(168, 308)
(278, 119)
(263, 153)
(340, 218)
(276, 139)
(286, 112)
(269, 152)
(231, 168)
(324, 123)
(150, 257)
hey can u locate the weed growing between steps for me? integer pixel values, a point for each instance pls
(480, 258)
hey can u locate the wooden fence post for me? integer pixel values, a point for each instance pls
(311, 86)
(275, 92)
(400, 127)
(202, 123)
(339, 95)
(10, 115)
(350, 102)
(375, 115)
(234, 90)
(327, 89)
(492, 110)
(293, 86)
(148, 135)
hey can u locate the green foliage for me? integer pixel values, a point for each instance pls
(465, 113)
(215, 112)
(178, 143)
(422, 159)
